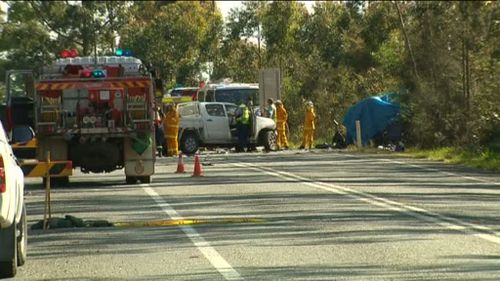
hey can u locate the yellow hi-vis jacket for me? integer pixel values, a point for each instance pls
(281, 115)
(309, 119)
(244, 118)
(171, 124)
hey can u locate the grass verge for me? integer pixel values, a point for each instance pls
(486, 159)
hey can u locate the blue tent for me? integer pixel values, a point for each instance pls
(374, 113)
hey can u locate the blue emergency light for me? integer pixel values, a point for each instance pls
(97, 73)
(122, 52)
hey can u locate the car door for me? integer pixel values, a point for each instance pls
(217, 124)
(231, 114)
(9, 195)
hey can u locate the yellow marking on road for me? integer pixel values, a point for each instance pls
(154, 223)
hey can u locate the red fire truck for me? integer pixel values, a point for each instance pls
(94, 111)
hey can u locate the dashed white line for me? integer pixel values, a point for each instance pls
(432, 170)
(217, 261)
(442, 172)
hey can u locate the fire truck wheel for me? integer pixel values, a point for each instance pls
(131, 180)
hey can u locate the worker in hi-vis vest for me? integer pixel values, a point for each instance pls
(309, 127)
(243, 126)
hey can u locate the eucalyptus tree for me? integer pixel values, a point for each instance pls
(177, 38)
(36, 31)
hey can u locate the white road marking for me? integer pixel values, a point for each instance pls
(217, 261)
(431, 170)
(442, 172)
(479, 231)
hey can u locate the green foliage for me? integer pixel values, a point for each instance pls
(454, 101)
(36, 31)
(483, 159)
(176, 39)
(445, 53)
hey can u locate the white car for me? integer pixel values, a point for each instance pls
(13, 227)
(213, 124)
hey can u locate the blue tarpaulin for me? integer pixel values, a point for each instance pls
(374, 113)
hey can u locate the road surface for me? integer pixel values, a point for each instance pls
(294, 215)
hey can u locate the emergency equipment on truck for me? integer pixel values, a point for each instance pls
(96, 112)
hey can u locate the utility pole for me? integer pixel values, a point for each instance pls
(259, 48)
(408, 46)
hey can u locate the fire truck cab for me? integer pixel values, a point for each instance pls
(96, 112)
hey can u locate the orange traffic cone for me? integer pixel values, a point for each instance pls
(180, 165)
(197, 167)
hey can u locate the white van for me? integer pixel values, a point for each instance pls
(229, 92)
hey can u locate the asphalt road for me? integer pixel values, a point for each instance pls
(320, 215)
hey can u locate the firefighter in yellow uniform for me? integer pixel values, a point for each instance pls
(309, 127)
(281, 119)
(171, 129)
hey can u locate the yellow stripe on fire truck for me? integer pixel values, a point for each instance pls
(131, 84)
(94, 130)
(35, 168)
(42, 87)
(61, 86)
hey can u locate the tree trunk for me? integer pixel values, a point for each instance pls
(467, 80)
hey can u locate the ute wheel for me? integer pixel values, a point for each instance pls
(22, 240)
(8, 255)
(130, 180)
(189, 144)
(269, 140)
(145, 179)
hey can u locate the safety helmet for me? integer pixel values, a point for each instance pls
(309, 103)
(278, 102)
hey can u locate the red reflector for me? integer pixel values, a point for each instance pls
(86, 73)
(65, 54)
(2, 180)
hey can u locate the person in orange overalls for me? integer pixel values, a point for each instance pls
(171, 130)
(309, 127)
(281, 119)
